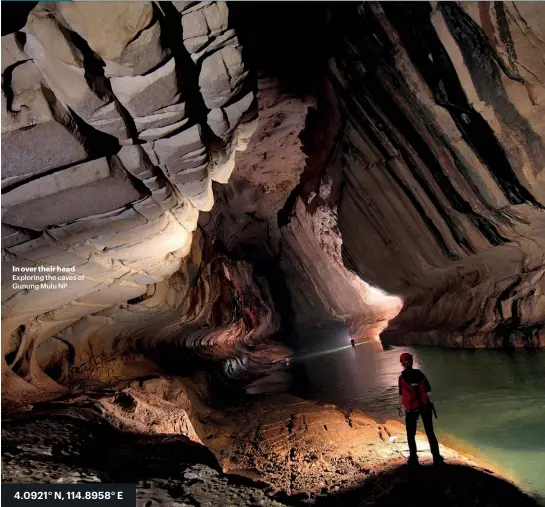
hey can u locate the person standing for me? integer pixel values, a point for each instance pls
(414, 395)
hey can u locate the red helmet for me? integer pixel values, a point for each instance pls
(405, 358)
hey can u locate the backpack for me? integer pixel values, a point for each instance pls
(414, 395)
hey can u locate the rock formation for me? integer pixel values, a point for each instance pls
(418, 211)
(186, 183)
(115, 121)
(376, 196)
(317, 454)
(443, 166)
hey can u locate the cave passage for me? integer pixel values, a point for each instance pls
(262, 205)
(488, 402)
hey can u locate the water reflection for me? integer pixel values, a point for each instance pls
(492, 401)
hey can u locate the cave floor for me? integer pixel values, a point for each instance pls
(270, 450)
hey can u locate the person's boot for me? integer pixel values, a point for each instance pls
(438, 460)
(413, 462)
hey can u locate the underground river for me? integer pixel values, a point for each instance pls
(490, 403)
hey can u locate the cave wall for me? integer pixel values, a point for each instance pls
(392, 181)
(116, 119)
(417, 211)
(440, 167)
(443, 166)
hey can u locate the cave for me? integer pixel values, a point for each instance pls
(223, 222)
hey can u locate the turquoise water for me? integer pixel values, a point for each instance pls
(489, 402)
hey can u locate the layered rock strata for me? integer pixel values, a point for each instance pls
(401, 194)
(116, 118)
(443, 167)
(417, 213)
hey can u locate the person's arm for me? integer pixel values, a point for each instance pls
(427, 386)
(400, 399)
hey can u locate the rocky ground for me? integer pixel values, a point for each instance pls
(278, 450)
(75, 446)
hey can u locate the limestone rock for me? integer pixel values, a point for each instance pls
(12, 52)
(217, 122)
(72, 88)
(181, 472)
(124, 181)
(185, 162)
(53, 356)
(200, 25)
(222, 76)
(93, 226)
(24, 77)
(108, 119)
(135, 161)
(46, 29)
(183, 5)
(53, 199)
(145, 95)
(161, 117)
(12, 236)
(127, 35)
(457, 222)
(171, 151)
(236, 110)
(160, 132)
(23, 151)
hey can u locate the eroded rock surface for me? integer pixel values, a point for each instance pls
(443, 168)
(311, 452)
(109, 148)
(400, 192)
(75, 446)
(418, 210)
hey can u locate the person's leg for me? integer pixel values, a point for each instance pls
(411, 419)
(427, 419)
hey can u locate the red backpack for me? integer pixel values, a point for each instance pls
(414, 395)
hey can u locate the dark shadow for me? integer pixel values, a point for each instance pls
(51, 444)
(445, 486)
(93, 445)
(14, 15)
(287, 41)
